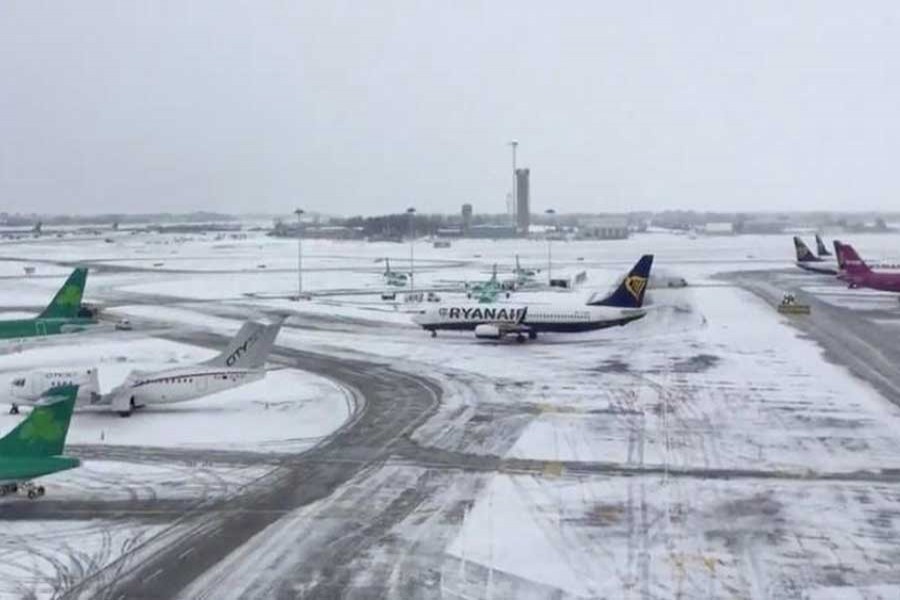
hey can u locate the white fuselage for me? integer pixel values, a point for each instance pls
(183, 384)
(535, 317)
(28, 388)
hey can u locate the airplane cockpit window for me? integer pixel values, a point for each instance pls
(20, 382)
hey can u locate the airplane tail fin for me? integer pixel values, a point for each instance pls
(804, 254)
(250, 348)
(852, 262)
(629, 293)
(839, 254)
(66, 304)
(821, 248)
(43, 432)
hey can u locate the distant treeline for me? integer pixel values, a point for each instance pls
(21, 220)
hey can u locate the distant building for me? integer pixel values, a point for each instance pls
(523, 201)
(719, 228)
(760, 225)
(466, 218)
(449, 232)
(492, 231)
(608, 228)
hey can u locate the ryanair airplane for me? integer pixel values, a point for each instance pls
(495, 321)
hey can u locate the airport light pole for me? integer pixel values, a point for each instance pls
(515, 207)
(552, 214)
(299, 213)
(412, 240)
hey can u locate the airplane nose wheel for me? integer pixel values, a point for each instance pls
(14, 409)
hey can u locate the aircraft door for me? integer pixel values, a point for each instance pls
(40, 327)
(201, 383)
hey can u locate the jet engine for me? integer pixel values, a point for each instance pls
(487, 332)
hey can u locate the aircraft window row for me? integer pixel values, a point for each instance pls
(573, 316)
(182, 380)
(169, 380)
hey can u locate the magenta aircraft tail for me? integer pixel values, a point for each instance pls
(850, 260)
(839, 255)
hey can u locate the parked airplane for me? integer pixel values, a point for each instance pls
(810, 262)
(393, 277)
(876, 265)
(242, 362)
(31, 386)
(523, 276)
(64, 314)
(496, 321)
(487, 291)
(858, 274)
(34, 448)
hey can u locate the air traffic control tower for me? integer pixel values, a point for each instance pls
(523, 204)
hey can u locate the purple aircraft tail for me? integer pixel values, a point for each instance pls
(853, 264)
(839, 254)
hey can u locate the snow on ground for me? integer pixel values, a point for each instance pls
(645, 537)
(111, 480)
(43, 558)
(712, 378)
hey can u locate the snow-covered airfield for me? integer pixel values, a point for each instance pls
(709, 450)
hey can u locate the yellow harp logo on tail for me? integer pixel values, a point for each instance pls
(635, 286)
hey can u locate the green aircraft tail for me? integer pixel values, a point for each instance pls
(67, 302)
(43, 432)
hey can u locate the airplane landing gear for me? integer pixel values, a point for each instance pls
(13, 409)
(434, 333)
(520, 338)
(33, 491)
(532, 335)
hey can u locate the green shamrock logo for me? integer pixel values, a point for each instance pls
(69, 296)
(42, 428)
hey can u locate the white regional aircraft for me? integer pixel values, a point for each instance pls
(495, 321)
(242, 362)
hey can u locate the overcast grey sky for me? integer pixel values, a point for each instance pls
(369, 107)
